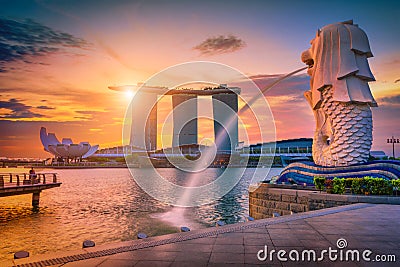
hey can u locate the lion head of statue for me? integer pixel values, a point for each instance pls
(338, 58)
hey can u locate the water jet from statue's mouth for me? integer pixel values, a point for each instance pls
(264, 90)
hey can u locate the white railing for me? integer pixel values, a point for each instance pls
(23, 179)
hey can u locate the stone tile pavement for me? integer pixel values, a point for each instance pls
(375, 227)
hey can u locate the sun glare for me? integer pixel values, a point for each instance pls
(129, 94)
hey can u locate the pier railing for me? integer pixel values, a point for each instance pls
(25, 179)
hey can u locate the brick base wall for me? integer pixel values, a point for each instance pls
(266, 199)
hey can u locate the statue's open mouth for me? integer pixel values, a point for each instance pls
(307, 59)
(309, 62)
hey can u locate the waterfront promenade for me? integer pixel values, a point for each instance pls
(375, 227)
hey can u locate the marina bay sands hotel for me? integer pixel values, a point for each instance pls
(185, 116)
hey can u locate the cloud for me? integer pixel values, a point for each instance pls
(76, 95)
(220, 45)
(389, 100)
(22, 39)
(45, 107)
(18, 110)
(88, 114)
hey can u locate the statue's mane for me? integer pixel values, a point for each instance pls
(341, 53)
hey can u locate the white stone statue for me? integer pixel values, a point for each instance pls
(340, 96)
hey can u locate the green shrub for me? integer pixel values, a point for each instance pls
(357, 185)
(189, 157)
(120, 159)
(348, 182)
(377, 186)
(329, 185)
(396, 184)
(388, 188)
(338, 185)
(319, 183)
(366, 185)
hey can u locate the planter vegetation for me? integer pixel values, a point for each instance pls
(319, 183)
(338, 186)
(366, 186)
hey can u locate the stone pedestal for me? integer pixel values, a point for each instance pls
(265, 200)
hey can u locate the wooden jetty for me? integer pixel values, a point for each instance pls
(12, 184)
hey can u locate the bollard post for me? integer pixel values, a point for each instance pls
(249, 219)
(21, 255)
(275, 214)
(88, 244)
(141, 236)
(54, 178)
(185, 229)
(1, 181)
(220, 223)
(17, 180)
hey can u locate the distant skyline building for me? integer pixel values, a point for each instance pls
(144, 129)
(226, 124)
(65, 149)
(185, 120)
(185, 116)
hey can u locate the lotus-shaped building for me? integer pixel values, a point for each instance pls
(65, 149)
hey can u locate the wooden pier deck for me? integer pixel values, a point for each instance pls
(12, 184)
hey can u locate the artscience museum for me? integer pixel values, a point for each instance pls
(66, 150)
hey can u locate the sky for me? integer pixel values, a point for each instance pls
(57, 59)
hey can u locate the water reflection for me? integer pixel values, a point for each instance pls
(105, 205)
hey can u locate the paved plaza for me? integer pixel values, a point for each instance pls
(374, 227)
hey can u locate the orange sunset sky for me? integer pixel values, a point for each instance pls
(57, 59)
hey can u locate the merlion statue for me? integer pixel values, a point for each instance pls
(340, 96)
